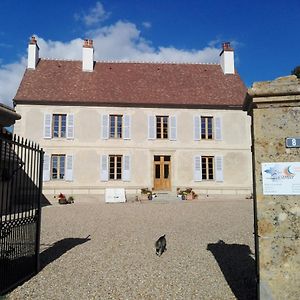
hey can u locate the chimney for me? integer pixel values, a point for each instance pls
(227, 58)
(88, 56)
(33, 53)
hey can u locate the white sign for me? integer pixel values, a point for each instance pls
(115, 195)
(282, 178)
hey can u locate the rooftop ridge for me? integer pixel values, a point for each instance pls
(133, 61)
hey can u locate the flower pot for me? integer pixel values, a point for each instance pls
(62, 201)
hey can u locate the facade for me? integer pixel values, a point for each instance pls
(161, 126)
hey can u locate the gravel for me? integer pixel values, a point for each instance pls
(93, 250)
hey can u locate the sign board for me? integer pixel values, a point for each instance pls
(281, 178)
(292, 142)
(115, 195)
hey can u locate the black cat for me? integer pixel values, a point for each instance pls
(160, 245)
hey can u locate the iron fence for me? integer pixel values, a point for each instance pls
(21, 163)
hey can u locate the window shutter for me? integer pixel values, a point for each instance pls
(104, 168)
(126, 127)
(126, 168)
(218, 128)
(69, 168)
(197, 128)
(197, 168)
(151, 128)
(46, 167)
(105, 126)
(219, 168)
(47, 126)
(70, 126)
(173, 128)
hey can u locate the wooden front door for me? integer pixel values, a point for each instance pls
(162, 172)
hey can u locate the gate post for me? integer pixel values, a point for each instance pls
(275, 110)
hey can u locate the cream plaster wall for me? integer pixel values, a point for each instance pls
(87, 146)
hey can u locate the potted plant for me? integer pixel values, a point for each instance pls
(62, 199)
(186, 194)
(70, 200)
(146, 194)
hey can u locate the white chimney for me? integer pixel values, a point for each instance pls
(227, 58)
(88, 56)
(33, 53)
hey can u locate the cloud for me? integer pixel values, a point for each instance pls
(147, 24)
(10, 77)
(121, 41)
(95, 15)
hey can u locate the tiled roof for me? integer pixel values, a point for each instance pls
(149, 84)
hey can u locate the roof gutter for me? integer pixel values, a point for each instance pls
(8, 116)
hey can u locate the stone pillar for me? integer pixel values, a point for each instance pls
(275, 110)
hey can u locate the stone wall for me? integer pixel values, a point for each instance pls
(275, 110)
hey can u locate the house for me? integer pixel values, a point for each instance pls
(134, 125)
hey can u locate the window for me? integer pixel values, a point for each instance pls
(207, 167)
(115, 126)
(115, 167)
(162, 127)
(207, 128)
(59, 125)
(58, 166)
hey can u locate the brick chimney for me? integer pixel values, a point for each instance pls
(227, 58)
(88, 56)
(33, 53)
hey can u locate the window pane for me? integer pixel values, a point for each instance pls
(62, 167)
(119, 128)
(158, 127)
(55, 125)
(167, 158)
(63, 126)
(112, 126)
(156, 158)
(54, 167)
(157, 171)
(166, 171)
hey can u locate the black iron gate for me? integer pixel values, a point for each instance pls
(20, 210)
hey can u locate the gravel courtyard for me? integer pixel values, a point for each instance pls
(106, 251)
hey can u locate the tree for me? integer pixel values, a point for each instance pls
(296, 71)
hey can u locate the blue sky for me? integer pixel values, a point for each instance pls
(264, 34)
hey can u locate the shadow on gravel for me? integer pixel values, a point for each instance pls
(58, 249)
(237, 266)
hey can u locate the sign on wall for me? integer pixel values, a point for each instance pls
(281, 178)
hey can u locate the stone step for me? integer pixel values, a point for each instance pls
(165, 197)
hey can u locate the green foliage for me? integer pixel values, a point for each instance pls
(296, 71)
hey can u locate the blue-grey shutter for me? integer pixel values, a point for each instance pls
(126, 127)
(218, 128)
(126, 168)
(197, 128)
(173, 128)
(47, 126)
(197, 168)
(151, 128)
(46, 167)
(105, 127)
(104, 168)
(69, 168)
(70, 126)
(219, 168)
